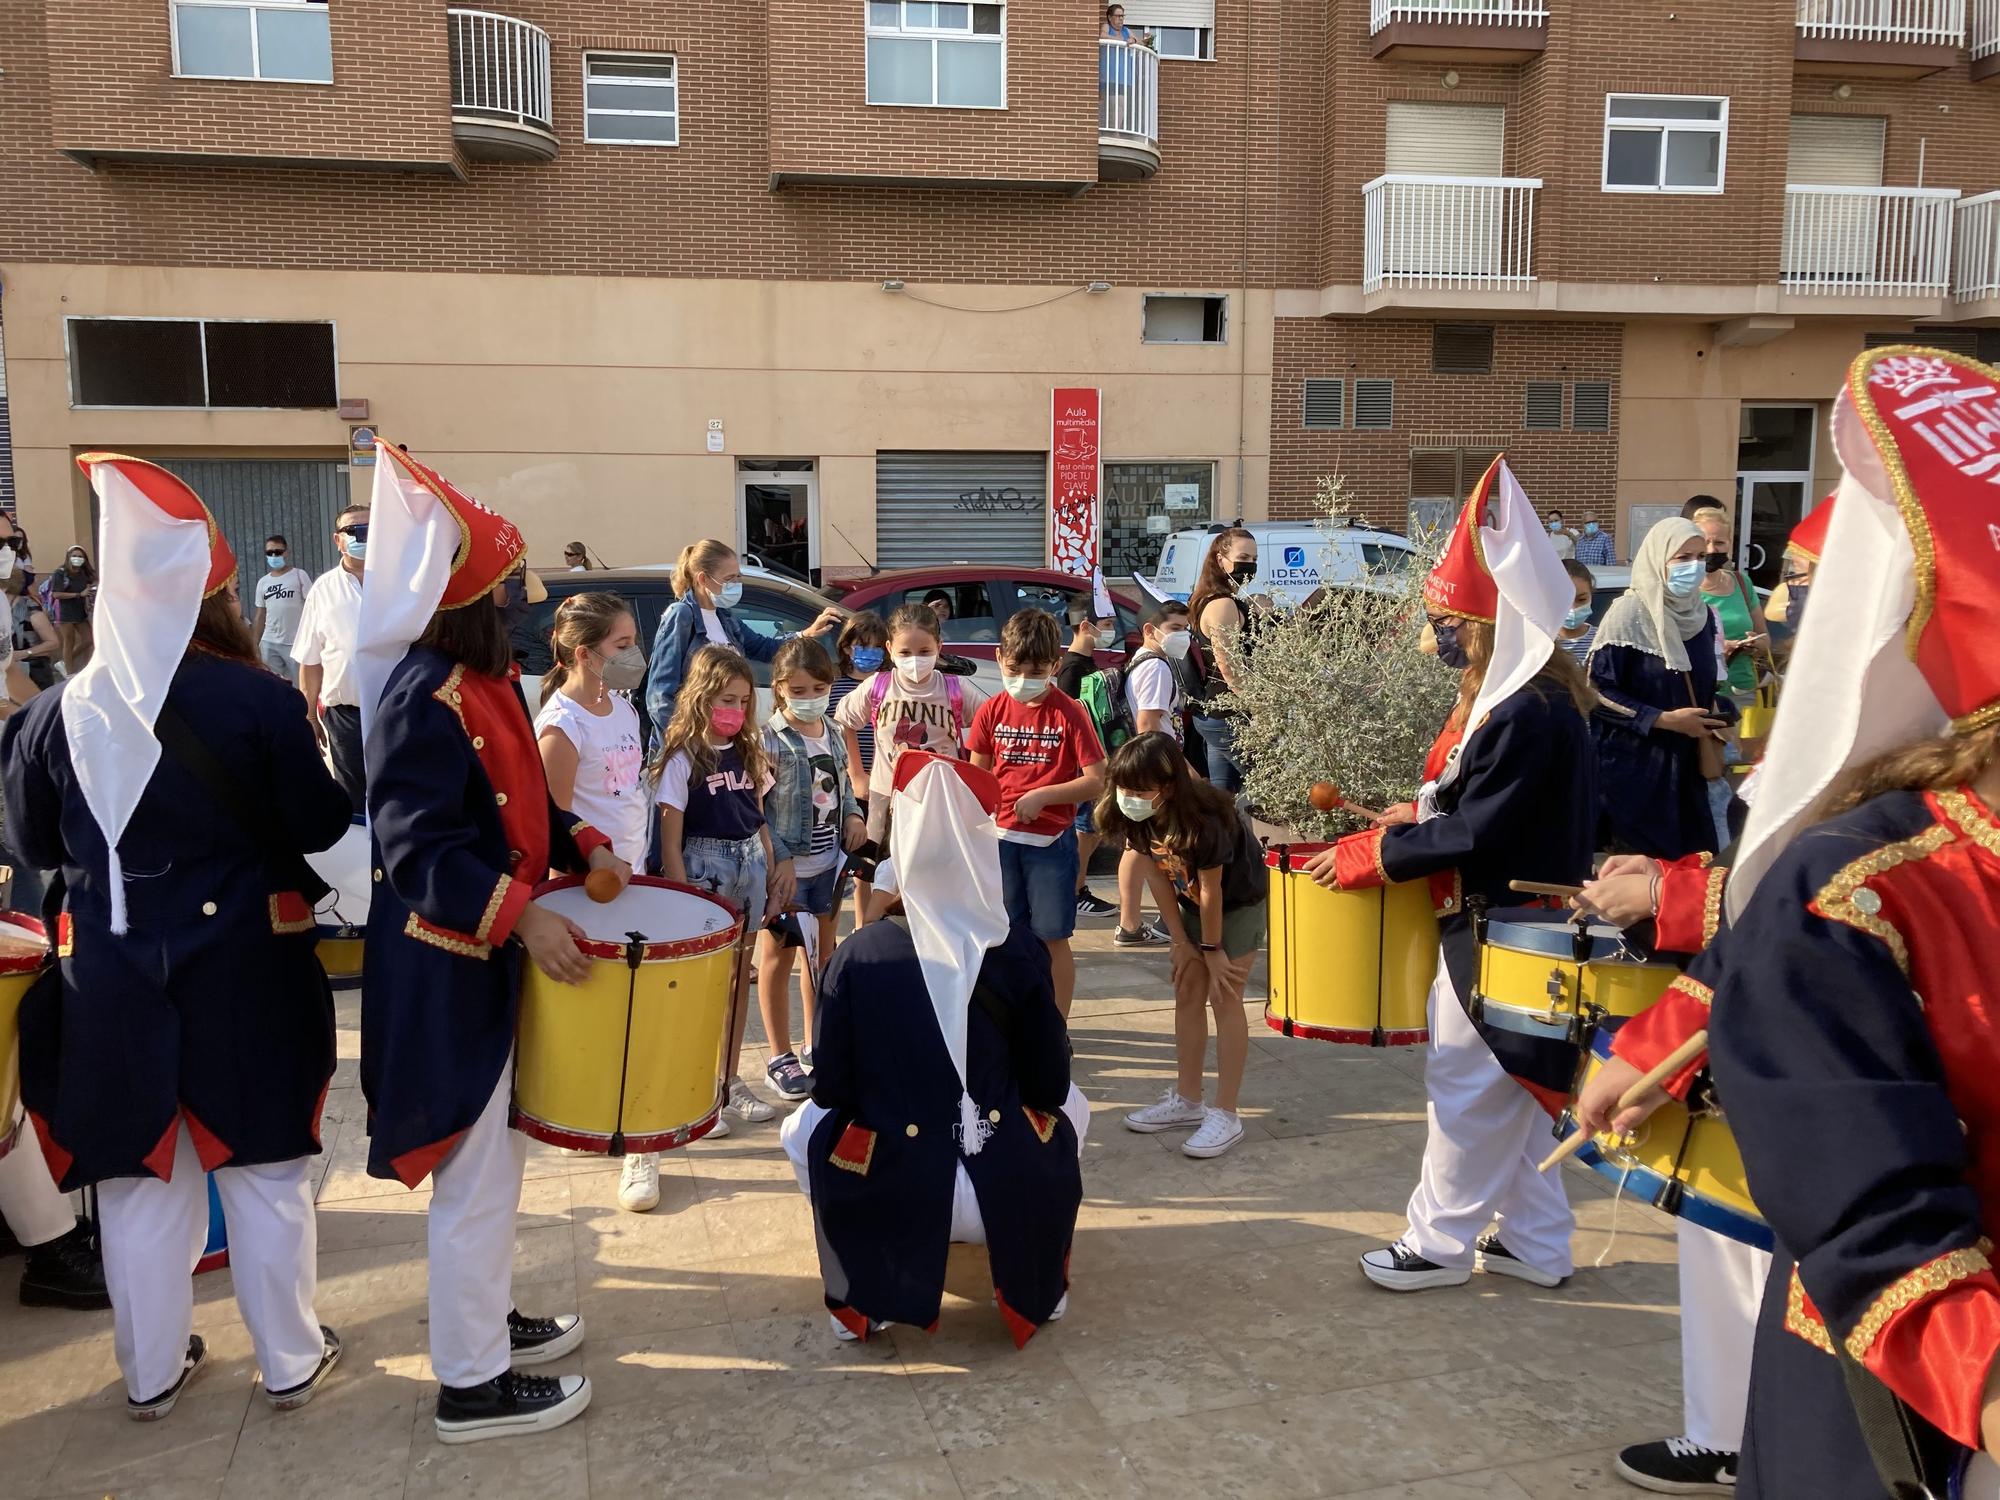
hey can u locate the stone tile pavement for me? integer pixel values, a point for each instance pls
(1219, 1343)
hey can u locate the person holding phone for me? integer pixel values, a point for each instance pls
(1660, 723)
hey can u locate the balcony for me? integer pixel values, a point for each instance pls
(1128, 111)
(1890, 246)
(1489, 31)
(1975, 279)
(1878, 38)
(1985, 40)
(1448, 241)
(500, 88)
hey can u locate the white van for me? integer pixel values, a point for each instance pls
(1293, 559)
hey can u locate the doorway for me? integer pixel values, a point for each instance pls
(777, 515)
(1774, 462)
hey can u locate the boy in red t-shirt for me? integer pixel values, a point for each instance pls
(1039, 742)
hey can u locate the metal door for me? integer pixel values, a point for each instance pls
(937, 508)
(251, 498)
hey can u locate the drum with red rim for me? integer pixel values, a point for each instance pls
(1348, 966)
(24, 953)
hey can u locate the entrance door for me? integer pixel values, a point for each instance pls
(1774, 461)
(777, 515)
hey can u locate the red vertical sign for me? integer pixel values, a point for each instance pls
(1074, 479)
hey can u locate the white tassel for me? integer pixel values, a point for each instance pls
(114, 872)
(972, 1129)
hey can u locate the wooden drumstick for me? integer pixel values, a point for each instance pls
(1325, 796)
(1673, 1062)
(1540, 888)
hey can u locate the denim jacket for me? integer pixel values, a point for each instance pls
(681, 635)
(788, 806)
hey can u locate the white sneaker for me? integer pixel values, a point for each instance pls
(1219, 1131)
(746, 1106)
(719, 1130)
(639, 1186)
(847, 1335)
(1170, 1113)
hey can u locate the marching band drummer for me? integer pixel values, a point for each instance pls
(1518, 801)
(463, 830)
(189, 1028)
(1852, 1033)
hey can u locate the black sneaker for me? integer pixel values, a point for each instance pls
(293, 1397)
(1147, 935)
(509, 1405)
(1497, 1260)
(787, 1077)
(536, 1341)
(1675, 1466)
(160, 1405)
(66, 1272)
(1398, 1268)
(1090, 904)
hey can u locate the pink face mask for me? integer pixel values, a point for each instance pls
(726, 722)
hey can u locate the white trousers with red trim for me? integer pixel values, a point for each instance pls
(475, 1196)
(1487, 1135)
(35, 1209)
(1722, 1286)
(154, 1233)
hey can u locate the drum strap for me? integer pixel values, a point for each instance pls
(1893, 1434)
(181, 742)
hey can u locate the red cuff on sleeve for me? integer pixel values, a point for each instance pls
(510, 899)
(1690, 906)
(1647, 1039)
(588, 839)
(1357, 861)
(1931, 1336)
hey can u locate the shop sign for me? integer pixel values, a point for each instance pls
(1075, 479)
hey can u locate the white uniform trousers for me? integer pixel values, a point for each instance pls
(1486, 1135)
(154, 1233)
(35, 1209)
(968, 1227)
(475, 1196)
(1722, 1286)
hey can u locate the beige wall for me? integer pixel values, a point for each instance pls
(579, 406)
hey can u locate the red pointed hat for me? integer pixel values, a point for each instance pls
(1461, 583)
(1934, 421)
(1808, 538)
(984, 784)
(489, 545)
(174, 498)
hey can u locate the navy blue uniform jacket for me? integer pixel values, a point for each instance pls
(884, 1162)
(212, 1006)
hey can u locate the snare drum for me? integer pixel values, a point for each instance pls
(1348, 966)
(1541, 976)
(632, 1059)
(1684, 1163)
(343, 913)
(24, 953)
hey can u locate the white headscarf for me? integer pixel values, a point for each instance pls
(1646, 617)
(1535, 594)
(412, 538)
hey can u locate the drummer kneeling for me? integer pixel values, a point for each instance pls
(942, 1108)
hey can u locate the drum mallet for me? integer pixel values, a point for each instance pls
(1539, 888)
(1672, 1063)
(1325, 796)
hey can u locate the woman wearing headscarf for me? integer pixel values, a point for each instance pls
(1654, 667)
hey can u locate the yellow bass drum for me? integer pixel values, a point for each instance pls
(1348, 966)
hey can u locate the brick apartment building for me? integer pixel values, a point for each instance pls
(638, 271)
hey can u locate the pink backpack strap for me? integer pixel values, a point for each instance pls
(878, 689)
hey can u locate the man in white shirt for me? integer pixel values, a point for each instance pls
(329, 629)
(281, 599)
(1153, 695)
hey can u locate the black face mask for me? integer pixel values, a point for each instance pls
(1717, 561)
(1450, 652)
(1243, 572)
(1795, 604)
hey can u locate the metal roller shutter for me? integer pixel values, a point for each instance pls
(1445, 140)
(934, 508)
(252, 498)
(1830, 236)
(1141, 15)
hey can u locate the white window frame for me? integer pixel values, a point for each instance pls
(1718, 127)
(255, 75)
(933, 35)
(1205, 35)
(70, 370)
(649, 58)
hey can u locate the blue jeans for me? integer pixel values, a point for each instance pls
(1039, 886)
(816, 893)
(1224, 769)
(733, 869)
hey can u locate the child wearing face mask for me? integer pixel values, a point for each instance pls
(911, 704)
(714, 776)
(1043, 750)
(864, 651)
(1577, 630)
(592, 744)
(1153, 700)
(812, 818)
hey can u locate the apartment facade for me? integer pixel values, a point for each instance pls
(638, 272)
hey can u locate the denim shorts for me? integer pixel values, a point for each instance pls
(1086, 817)
(1039, 885)
(816, 893)
(733, 869)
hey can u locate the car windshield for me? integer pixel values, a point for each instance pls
(1387, 562)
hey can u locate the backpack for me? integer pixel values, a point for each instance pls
(954, 692)
(1102, 694)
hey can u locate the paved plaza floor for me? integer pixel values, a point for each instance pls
(1219, 1342)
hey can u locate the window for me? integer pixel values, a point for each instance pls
(631, 100)
(1179, 28)
(1145, 503)
(973, 622)
(1184, 320)
(942, 53)
(1664, 143)
(1374, 405)
(1324, 405)
(189, 362)
(1544, 405)
(1196, 42)
(279, 41)
(1590, 406)
(1462, 349)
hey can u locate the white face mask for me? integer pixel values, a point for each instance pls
(1024, 689)
(916, 670)
(809, 709)
(1107, 640)
(1136, 807)
(1174, 644)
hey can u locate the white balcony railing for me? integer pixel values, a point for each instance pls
(1449, 233)
(1976, 246)
(500, 68)
(1985, 27)
(1923, 23)
(1457, 13)
(1863, 242)
(1128, 91)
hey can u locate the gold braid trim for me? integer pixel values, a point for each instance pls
(1711, 906)
(1703, 860)
(281, 927)
(1376, 850)
(1978, 719)
(484, 931)
(1800, 1321)
(423, 932)
(448, 694)
(1694, 989)
(1837, 900)
(1926, 1281)
(1973, 820)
